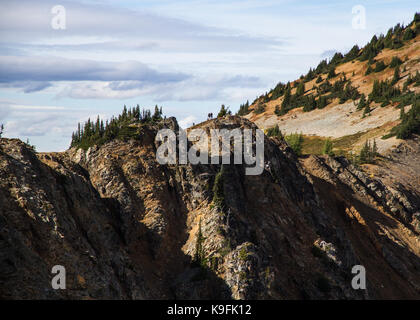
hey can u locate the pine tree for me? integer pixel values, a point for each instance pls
(396, 76)
(395, 62)
(328, 147)
(98, 127)
(1, 129)
(319, 79)
(409, 34)
(366, 110)
(369, 152)
(222, 112)
(331, 73)
(374, 152)
(124, 114)
(364, 153)
(402, 113)
(274, 132)
(300, 91)
(362, 102)
(286, 101)
(295, 141)
(157, 115)
(199, 256)
(322, 102)
(380, 66)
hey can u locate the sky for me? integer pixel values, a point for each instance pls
(61, 65)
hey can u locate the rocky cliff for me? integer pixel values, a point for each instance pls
(126, 227)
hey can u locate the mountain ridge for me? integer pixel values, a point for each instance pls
(126, 227)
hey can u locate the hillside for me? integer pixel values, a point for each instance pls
(326, 101)
(126, 227)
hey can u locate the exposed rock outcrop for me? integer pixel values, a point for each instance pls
(126, 227)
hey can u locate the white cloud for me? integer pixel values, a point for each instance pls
(191, 89)
(187, 122)
(18, 68)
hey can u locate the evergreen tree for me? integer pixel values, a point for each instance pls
(322, 102)
(367, 110)
(409, 34)
(300, 91)
(368, 153)
(243, 109)
(310, 105)
(362, 102)
(374, 151)
(380, 66)
(1, 129)
(396, 76)
(352, 54)
(295, 141)
(410, 123)
(274, 132)
(124, 114)
(395, 62)
(328, 147)
(157, 115)
(199, 256)
(364, 153)
(223, 111)
(331, 73)
(286, 101)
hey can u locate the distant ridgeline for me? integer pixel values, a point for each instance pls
(383, 92)
(98, 133)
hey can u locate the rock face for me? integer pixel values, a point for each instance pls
(126, 227)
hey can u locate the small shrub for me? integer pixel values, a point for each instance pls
(328, 147)
(243, 254)
(295, 141)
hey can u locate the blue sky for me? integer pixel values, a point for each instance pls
(187, 56)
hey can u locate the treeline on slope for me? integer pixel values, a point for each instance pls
(367, 154)
(385, 92)
(410, 121)
(394, 39)
(325, 93)
(97, 133)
